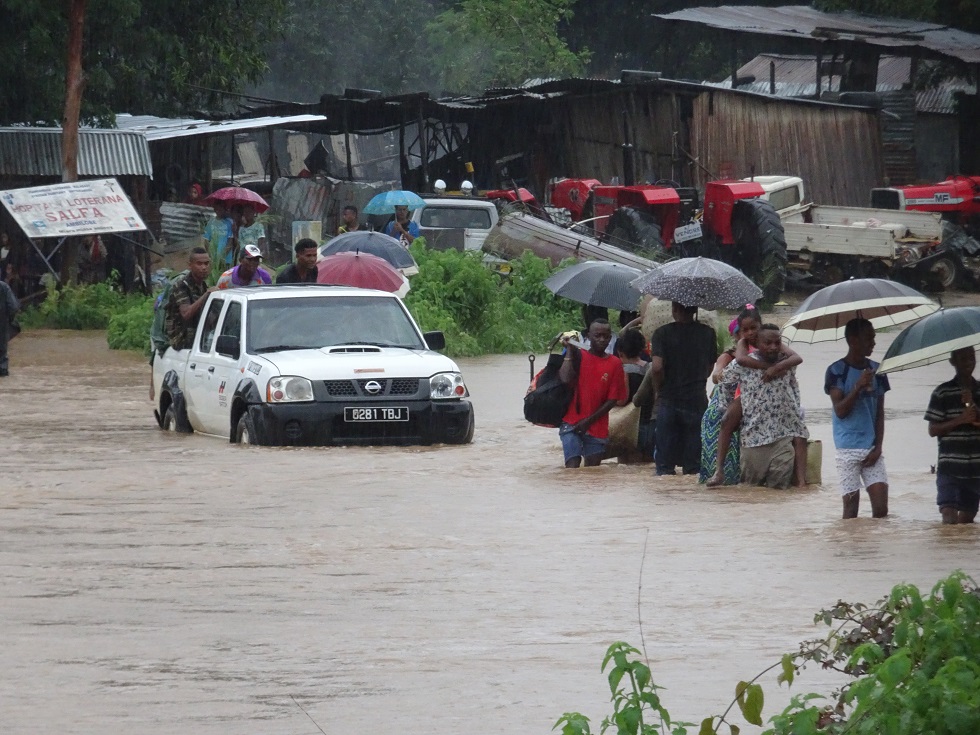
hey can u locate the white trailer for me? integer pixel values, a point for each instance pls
(833, 243)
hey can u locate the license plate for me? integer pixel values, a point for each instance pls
(376, 413)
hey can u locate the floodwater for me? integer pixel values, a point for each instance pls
(156, 583)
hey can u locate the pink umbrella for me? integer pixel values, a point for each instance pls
(361, 270)
(232, 195)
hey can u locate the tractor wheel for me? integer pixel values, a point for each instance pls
(634, 230)
(944, 272)
(760, 244)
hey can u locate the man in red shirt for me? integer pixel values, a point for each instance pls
(600, 384)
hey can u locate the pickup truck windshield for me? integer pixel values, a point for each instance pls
(311, 323)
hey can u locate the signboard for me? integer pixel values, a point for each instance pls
(687, 232)
(76, 208)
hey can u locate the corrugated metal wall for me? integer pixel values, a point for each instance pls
(898, 136)
(593, 134)
(836, 150)
(37, 152)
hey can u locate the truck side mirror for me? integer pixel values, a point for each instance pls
(435, 340)
(229, 346)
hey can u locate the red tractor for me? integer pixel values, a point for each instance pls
(737, 224)
(957, 199)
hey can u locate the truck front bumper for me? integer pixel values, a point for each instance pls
(325, 423)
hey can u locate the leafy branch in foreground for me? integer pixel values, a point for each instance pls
(915, 662)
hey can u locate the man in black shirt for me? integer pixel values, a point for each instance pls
(684, 352)
(304, 269)
(954, 420)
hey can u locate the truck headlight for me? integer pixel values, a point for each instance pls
(447, 385)
(289, 389)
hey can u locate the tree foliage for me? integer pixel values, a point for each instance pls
(962, 14)
(913, 659)
(160, 57)
(369, 44)
(482, 43)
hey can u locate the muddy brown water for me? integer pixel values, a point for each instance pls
(157, 584)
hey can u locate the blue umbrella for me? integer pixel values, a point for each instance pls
(385, 202)
(373, 243)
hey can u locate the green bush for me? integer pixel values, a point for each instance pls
(79, 307)
(913, 659)
(130, 329)
(479, 311)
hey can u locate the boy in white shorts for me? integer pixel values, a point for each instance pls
(858, 420)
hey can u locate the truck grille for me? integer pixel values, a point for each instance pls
(357, 388)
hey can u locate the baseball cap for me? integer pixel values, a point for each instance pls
(251, 251)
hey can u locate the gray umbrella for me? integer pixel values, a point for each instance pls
(703, 282)
(373, 243)
(823, 316)
(598, 284)
(931, 339)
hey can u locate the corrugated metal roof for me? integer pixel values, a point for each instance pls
(804, 22)
(162, 128)
(795, 77)
(37, 152)
(893, 71)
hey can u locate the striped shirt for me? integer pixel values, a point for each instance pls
(959, 450)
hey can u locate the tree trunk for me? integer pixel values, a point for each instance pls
(74, 84)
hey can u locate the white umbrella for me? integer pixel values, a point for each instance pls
(823, 316)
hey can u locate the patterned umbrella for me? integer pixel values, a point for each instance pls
(597, 283)
(702, 282)
(361, 270)
(822, 317)
(373, 243)
(386, 201)
(931, 339)
(232, 195)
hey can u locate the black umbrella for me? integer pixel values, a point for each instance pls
(598, 284)
(823, 316)
(931, 339)
(702, 282)
(373, 243)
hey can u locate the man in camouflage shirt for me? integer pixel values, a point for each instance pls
(187, 298)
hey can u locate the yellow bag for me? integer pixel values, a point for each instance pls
(814, 462)
(624, 429)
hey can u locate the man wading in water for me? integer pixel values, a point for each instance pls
(600, 384)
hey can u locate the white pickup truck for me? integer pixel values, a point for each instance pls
(312, 365)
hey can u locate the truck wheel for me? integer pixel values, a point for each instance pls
(634, 230)
(943, 272)
(170, 419)
(760, 244)
(467, 438)
(245, 431)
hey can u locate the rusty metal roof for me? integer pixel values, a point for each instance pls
(37, 152)
(806, 23)
(795, 77)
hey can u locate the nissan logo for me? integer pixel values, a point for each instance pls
(373, 387)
